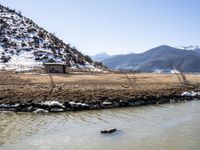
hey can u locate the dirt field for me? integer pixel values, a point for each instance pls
(90, 87)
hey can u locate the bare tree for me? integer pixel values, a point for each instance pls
(179, 73)
(52, 86)
(131, 75)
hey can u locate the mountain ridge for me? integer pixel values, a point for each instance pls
(101, 56)
(162, 57)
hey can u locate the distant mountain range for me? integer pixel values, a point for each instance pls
(24, 45)
(101, 56)
(162, 58)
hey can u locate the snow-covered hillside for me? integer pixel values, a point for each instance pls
(24, 45)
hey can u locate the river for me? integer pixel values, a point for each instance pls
(158, 127)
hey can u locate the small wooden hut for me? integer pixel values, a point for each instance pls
(55, 68)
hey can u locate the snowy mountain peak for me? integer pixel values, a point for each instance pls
(190, 47)
(25, 45)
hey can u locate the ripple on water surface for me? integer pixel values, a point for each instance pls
(151, 127)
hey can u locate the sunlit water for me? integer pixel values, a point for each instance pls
(160, 127)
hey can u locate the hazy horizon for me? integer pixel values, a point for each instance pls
(115, 26)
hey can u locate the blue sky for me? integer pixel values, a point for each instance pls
(116, 26)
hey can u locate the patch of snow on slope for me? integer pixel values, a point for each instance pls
(89, 67)
(23, 61)
(190, 47)
(175, 71)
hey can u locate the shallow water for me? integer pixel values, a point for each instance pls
(160, 127)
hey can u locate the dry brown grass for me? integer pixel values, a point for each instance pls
(88, 87)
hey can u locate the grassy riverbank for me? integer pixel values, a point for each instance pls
(90, 87)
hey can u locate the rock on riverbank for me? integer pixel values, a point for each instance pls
(55, 106)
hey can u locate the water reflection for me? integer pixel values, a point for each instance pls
(153, 127)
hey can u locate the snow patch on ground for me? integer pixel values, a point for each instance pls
(53, 103)
(190, 94)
